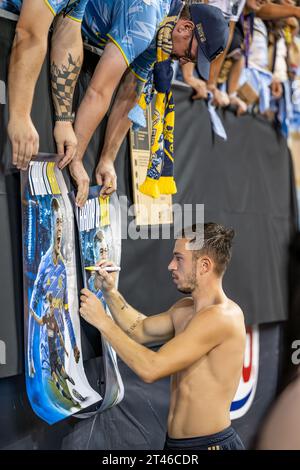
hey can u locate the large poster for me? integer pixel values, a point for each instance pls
(55, 379)
(99, 226)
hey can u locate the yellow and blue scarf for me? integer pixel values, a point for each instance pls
(160, 173)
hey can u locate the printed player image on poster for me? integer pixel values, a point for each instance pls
(55, 379)
(99, 225)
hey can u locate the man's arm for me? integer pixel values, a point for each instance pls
(233, 85)
(205, 331)
(272, 11)
(220, 98)
(117, 127)
(141, 328)
(94, 105)
(93, 108)
(27, 56)
(198, 85)
(66, 61)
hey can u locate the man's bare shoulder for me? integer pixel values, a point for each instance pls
(227, 308)
(186, 303)
(180, 309)
(231, 309)
(225, 315)
(182, 303)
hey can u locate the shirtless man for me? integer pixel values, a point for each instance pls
(204, 338)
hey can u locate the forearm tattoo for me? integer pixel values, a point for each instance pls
(63, 81)
(123, 302)
(134, 325)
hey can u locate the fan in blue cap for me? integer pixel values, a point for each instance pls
(196, 32)
(204, 26)
(211, 31)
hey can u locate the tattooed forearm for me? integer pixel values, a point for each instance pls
(133, 326)
(124, 314)
(123, 303)
(63, 81)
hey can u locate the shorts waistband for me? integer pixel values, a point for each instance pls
(211, 439)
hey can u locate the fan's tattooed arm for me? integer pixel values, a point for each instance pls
(63, 81)
(66, 60)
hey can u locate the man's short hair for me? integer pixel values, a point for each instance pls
(185, 13)
(216, 243)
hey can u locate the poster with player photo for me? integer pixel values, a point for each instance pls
(56, 383)
(99, 227)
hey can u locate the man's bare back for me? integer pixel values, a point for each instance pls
(202, 394)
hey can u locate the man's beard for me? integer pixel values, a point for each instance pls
(185, 290)
(190, 283)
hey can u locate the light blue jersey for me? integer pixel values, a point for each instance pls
(73, 8)
(131, 24)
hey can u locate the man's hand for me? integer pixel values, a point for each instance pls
(66, 142)
(106, 176)
(82, 181)
(197, 84)
(220, 98)
(200, 88)
(241, 106)
(27, 56)
(276, 88)
(106, 281)
(91, 309)
(25, 141)
(76, 353)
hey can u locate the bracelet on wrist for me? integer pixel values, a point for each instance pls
(65, 118)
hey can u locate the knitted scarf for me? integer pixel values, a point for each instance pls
(160, 177)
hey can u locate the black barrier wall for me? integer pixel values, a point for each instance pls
(245, 183)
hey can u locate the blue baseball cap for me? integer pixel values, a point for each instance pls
(211, 32)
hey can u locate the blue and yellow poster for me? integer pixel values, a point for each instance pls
(56, 383)
(99, 227)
